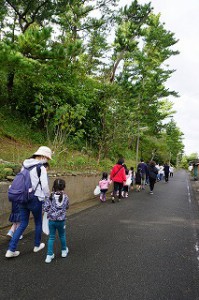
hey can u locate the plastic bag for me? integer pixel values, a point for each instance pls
(45, 224)
(97, 190)
(128, 182)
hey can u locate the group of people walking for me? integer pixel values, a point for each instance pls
(54, 203)
(125, 179)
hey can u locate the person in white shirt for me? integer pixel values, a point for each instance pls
(161, 172)
(39, 180)
(171, 169)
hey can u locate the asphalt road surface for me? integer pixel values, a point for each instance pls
(145, 247)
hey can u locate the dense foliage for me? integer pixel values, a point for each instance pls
(91, 75)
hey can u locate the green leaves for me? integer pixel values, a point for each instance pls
(85, 74)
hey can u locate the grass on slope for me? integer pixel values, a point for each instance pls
(19, 141)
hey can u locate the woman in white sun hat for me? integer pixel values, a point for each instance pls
(39, 180)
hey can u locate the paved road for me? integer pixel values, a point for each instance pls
(144, 248)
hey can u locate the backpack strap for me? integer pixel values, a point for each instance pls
(117, 171)
(38, 169)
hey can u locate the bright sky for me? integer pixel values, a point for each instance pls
(181, 18)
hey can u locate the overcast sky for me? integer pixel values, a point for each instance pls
(181, 18)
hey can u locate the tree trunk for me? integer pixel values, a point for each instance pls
(137, 144)
(10, 84)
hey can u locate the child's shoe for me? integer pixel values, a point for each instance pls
(113, 200)
(10, 253)
(10, 233)
(49, 258)
(41, 246)
(101, 197)
(64, 253)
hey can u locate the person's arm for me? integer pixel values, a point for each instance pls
(67, 201)
(112, 173)
(44, 181)
(46, 205)
(156, 171)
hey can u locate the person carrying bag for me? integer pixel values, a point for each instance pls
(118, 176)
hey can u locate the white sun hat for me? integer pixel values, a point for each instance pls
(44, 151)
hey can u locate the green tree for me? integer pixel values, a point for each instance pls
(174, 139)
(61, 70)
(143, 74)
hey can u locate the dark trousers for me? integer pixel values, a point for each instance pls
(125, 188)
(103, 194)
(151, 183)
(117, 186)
(166, 177)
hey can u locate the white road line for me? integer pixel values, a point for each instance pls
(197, 250)
(188, 192)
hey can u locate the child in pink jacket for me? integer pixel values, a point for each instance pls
(104, 185)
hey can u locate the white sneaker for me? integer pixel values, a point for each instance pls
(10, 253)
(49, 258)
(151, 192)
(41, 246)
(64, 253)
(10, 233)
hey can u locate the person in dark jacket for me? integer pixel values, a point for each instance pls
(118, 176)
(152, 172)
(143, 167)
(138, 179)
(166, 172)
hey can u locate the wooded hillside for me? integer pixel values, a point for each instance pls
(90, 75)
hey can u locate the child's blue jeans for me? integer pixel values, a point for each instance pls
(60, 227)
